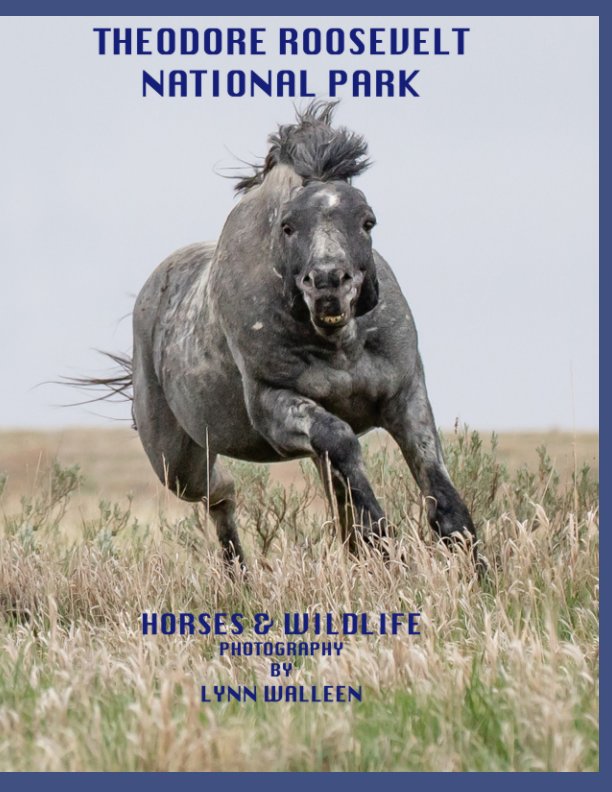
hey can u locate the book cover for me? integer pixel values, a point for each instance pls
(345, 271)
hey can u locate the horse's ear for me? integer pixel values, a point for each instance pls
(368, 297)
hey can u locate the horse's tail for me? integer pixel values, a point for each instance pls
(117, 386)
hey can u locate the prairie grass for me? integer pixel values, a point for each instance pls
(504, 675)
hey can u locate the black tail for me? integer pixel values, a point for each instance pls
(116, 387)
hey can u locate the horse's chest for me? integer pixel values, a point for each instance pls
(341, 384)
(321, 383)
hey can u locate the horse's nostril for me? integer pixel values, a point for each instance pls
(324, 279)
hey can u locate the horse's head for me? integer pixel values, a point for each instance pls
(327, 252)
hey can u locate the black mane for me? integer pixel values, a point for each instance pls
(313, 149)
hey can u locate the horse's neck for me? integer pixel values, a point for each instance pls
(257, 214)
(277, 187)
(282, 181)
(245, 252)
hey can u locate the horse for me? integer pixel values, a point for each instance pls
(288, 337)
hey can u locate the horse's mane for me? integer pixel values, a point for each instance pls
(313, 148)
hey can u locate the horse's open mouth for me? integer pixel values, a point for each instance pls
(330, 321)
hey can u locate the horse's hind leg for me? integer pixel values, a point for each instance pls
(194, 476)
(222, 507)
(190, 471)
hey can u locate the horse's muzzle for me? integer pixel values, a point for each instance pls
(339, 320)
(330, 313)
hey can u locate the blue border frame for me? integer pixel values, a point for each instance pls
(303, 781)
(312, 8)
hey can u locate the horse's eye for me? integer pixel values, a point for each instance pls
(307, 279)
(287, 229)
(368, 225)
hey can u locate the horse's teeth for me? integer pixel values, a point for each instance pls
(333, 319)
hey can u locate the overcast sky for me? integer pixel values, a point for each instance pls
(485, 190)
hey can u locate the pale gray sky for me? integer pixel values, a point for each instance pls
(485, 189)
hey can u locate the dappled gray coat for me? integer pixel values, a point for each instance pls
(287, 338)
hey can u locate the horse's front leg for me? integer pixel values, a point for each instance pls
(409, 419)
(293, 425)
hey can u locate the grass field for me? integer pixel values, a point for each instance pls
(504, 675)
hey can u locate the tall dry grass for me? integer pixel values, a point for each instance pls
(504, 675)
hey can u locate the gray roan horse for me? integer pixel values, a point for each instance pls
(286, 338)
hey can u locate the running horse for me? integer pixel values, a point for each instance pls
(286, 338)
